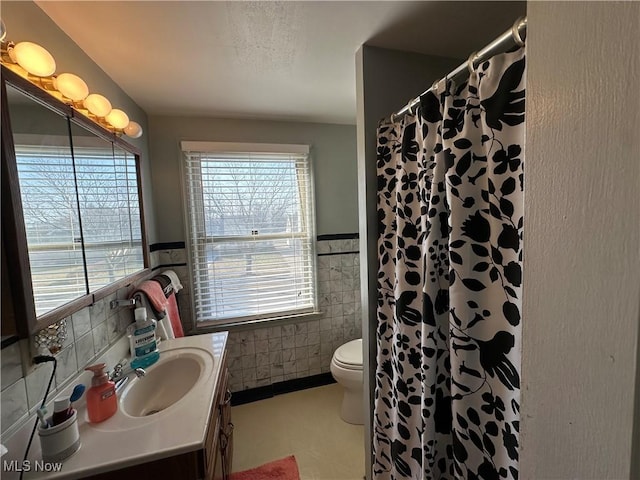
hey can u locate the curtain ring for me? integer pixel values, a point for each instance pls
(515, 32)
(470, 66)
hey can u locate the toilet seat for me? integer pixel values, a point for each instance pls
(349, 355)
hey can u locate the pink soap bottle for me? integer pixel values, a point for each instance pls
(102, 401)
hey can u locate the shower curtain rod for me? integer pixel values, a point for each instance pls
(514, 36)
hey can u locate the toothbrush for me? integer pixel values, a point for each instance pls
(42, 412)
(78, 390)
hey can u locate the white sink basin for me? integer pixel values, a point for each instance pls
(166, 383)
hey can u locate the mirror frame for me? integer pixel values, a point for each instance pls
(13, 230)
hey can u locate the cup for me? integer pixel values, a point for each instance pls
(60, 442)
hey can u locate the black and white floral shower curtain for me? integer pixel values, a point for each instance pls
(450, 212)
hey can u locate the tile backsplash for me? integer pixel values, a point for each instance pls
(89, 333)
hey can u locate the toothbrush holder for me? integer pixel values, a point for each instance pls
(60, 442)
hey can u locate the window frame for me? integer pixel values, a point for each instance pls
(14, 233)
(203, 147)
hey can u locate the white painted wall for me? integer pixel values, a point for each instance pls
(582, 263)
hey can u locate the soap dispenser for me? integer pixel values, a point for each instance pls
(144, 346)
(102, 402)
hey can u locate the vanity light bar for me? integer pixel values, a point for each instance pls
(34, 63)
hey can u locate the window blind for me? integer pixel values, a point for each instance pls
(107, 224)
(251, 234)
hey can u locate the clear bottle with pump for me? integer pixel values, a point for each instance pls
(144, 346)
(102, 401)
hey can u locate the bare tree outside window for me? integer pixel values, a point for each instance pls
(110, 220)
(253, 253)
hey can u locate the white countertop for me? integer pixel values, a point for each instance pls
(122, 441)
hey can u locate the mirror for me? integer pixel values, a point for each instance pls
(71, 211)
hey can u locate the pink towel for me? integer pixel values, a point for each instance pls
(154, 293)
(174, 315)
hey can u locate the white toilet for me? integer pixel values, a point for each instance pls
(346, 368)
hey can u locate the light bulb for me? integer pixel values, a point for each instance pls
(71, 86)
(33, 58)
(133, 130)
(98, 105)
(117, 119)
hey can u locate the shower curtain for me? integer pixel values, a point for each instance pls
(450, 213)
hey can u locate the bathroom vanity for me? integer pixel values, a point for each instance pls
(175, 422)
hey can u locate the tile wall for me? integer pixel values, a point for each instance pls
(90, 332)
(257, 357)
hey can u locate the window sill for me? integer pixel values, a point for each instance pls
(237, 326)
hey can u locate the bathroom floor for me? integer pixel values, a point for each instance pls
(306, 424)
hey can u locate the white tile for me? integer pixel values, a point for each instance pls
(261, 346)
(262, 359)
(274, 332)
(277, 378)
(301, 340)
(314, 371)
(261, 334)
(248, 362)
(325, 324)
(289, 376)
(323, 247)
(336, 298)
(112, 328)
(301, 353)
(302, 365)
(246, 336)
(324, 275)
(276, 370)
(356, 260)
(288, 342)
(248, 348)
(248, 374)
(100, 337)
(11, 365)
(81, 322)
(84, 350)
(313, 338)
(97, 313)
(263, 382)
(67, 364)
(263, 371)
(37, 382)
(301, 328)
(288, 330)
(288, 354)
(314, 350)
(275, 344)
(275, 357)
(247, 384)
(313, 326)
(335, 262)
(324, 262)
(289, 368)
(13, 403)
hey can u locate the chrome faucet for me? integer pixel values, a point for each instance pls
(120, 374)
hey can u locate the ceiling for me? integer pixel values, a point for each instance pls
(272, 60)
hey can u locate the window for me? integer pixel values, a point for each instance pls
(251, 230)
(81, 216)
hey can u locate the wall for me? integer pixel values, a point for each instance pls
(92, 330)
(582, 265)
(333, 156)
(385, 81)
